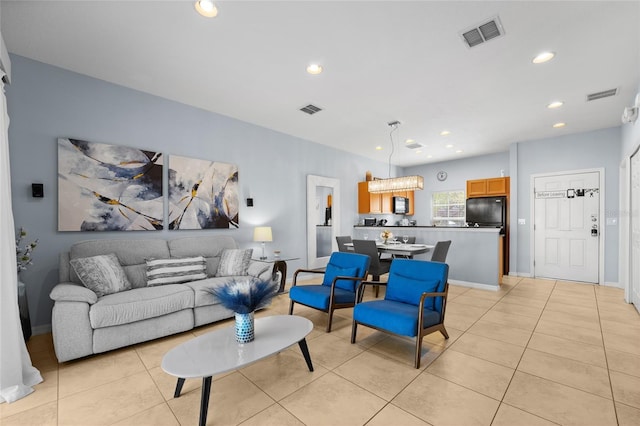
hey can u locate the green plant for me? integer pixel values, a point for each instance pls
(24, 252)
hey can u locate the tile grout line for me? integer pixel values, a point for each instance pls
(522, 355)
(606, 359)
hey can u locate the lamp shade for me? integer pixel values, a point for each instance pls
(262, 234)
(404, 183)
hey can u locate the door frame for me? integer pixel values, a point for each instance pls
(624, 248)
(602, 218)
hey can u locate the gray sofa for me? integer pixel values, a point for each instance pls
(85, 324)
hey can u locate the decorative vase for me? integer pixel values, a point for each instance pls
(244, 327)
(23, 307)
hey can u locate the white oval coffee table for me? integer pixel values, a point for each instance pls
(218, 352)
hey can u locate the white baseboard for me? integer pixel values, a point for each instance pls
(475, 285)
(613, 284)
(520, 274)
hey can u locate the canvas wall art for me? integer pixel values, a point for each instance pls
(202, 194)
(103, 187)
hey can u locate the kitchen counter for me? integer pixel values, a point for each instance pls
(474, 257)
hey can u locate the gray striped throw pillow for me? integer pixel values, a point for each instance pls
(175, 270)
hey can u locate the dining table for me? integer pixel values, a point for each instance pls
(399, 249)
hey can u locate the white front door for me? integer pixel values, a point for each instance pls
(567, 226)
(634, 276)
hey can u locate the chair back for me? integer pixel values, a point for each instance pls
(440, 251)
(369, 248)
(346, 265)
(411, 240)
(342, 240)
(409, 278)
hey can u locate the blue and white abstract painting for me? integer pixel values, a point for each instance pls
(203, 194)
(103, 187)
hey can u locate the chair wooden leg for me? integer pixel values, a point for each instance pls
(354, 327)
(291, 307)
(444, 332)
(330, 319)
(418, 351)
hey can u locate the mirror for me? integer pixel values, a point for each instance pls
(323, 219)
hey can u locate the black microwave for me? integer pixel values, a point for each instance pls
(400, 205)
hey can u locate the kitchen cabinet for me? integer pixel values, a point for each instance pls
(380, 203)
(488, 187)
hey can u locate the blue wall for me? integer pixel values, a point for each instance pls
(597, 149)
(46, 102)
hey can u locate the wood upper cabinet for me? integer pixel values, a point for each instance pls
(488, 187)
(368, 202)
(380, 203)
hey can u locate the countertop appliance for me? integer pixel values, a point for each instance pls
(487, 212)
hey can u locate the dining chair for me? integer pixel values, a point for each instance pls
(377, 266)
(338, 289)
(440, 251)
(342, 240)
(414, 302)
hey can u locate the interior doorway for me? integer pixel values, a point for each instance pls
(634, 225)
(567, 240)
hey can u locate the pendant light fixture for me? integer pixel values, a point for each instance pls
(398, 184)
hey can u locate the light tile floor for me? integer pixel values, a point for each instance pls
(536, 352)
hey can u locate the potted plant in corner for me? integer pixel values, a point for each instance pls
(244, 297)
(23, 260)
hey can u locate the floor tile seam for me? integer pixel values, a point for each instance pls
(110, 382)
(606, 362)
(510, 324)
(522, 409)
(570, 359)
(482, 359)
(496, 309)
(567, 338)
(470, 389)
(474, 306)
(526, 346)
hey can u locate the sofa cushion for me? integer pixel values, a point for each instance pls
(132, 255)
(208, 246)
(175, 270)
(234, 262)
(102, 274)
(139, 304)
(201, 290)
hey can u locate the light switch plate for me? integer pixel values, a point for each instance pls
(522, 221)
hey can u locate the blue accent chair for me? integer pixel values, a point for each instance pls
(413, 305)
(343, 274)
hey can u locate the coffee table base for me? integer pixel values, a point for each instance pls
(206, 384)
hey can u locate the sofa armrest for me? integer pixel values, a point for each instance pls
(261, 270)
(69, 292)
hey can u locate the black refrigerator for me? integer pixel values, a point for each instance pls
(487, 212)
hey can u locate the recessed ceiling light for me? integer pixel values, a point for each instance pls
(429, 156)
(378, 148)
(314, 69)
(206, 8)
(408, 141)
(445, 133)
(448, 146)
(543, 57)
(418, 152)
(555, 104)
(458, 151)
(558, 125)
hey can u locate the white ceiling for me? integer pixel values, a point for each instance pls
(383, 61)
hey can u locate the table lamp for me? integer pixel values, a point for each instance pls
(262, 234)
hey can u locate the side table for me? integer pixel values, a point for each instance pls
(279, 265)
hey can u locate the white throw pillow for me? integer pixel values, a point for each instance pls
(234, 262)
(175, 270)
(101, 274)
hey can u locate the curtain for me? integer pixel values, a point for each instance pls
(17, 375)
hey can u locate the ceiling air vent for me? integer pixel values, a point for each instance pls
(310, 109)
(483, 32)
(603, 94)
